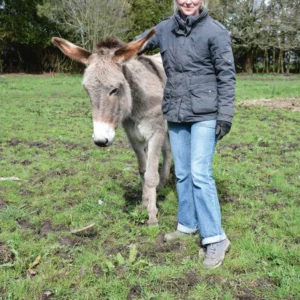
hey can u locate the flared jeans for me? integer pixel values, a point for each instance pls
(193, 146)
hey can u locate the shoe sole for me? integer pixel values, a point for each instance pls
(220, 263)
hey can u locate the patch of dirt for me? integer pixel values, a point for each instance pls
(245, 291)
(25, 192)
(121, 143)
(190, 279)
(71, 241)
(47, 228)
(160, 240)
(122, 249)
(215, 279)
(292, 104)
(63, 172)
(14, 142)
(2, 292)
(153, 251)
(70, 146)
(48, 144)
(26, 162)
(169, 247)
(227, 198)
(224, 195)
(83, 158)
(6, 255)
(2, 203)
(236, 146)
(40, 145)
(182, 285)
(278, 205)
(97, 270)
(25, 224)
(135, 293)
(265, 282)
(132, 196)
(246, 294)
(91, 234)
(274, 190)
(289, 148)
(64, 254)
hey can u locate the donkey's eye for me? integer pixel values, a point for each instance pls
(112, 92)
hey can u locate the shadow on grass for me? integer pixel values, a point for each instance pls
(133, 197)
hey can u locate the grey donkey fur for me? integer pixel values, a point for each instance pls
(128, 90)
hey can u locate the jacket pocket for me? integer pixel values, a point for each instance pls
(204, 100)
(166, 101)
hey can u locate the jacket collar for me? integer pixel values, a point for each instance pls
(184, 27)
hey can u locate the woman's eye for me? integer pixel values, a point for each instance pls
(112, 92)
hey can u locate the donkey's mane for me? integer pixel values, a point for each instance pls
(110, 43)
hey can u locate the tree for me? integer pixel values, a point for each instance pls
(20, 29)
(20, 23)
(89, 21)
(148, 13)
(261, 29)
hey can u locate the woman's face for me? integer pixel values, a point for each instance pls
(189, 7)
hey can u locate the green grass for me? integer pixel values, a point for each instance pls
(45, 139)
(261, 86)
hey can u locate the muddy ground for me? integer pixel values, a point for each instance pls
(291, 104)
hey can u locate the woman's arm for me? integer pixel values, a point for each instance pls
(223, 61)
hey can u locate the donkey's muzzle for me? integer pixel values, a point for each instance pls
(102, 143)
(104, 134)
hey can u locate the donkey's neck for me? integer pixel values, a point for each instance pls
(146, 80)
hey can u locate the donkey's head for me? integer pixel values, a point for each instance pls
(104, 82)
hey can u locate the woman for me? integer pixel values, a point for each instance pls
(198, 105)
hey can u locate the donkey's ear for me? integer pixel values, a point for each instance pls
(127, 52)
(71, 50)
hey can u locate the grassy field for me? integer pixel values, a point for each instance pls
(45, 140)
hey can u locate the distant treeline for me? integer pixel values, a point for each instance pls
(265, 34)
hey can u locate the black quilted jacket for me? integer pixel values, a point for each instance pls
(199, 64)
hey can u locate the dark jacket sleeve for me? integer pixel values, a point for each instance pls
(223, 61)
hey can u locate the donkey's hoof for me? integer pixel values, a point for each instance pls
(152, 222)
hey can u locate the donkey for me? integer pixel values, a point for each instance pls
(128, 90)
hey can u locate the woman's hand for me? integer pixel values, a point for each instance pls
(222, 128)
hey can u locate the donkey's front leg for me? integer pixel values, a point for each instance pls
(142, 161)
(151, 175)
(139, 149)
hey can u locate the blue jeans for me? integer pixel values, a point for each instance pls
(193, 146)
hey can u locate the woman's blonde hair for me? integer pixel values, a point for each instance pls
(204, 4)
